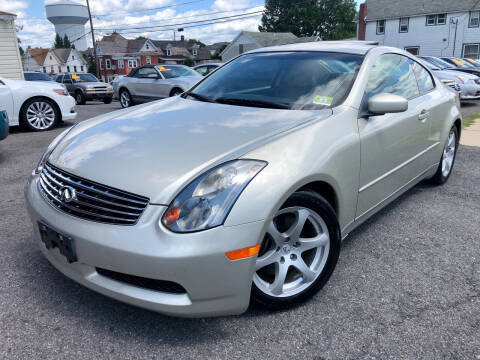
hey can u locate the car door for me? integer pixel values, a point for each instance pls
(67, 80)
(6, 101)
(392, 145)
(145, 83)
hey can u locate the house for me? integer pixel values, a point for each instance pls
(10, 60)
(54, 61)
(118, 55)
(251, 40)
(429, 27)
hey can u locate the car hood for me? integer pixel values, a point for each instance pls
(156, 149)
(17, 84)
(452, 75)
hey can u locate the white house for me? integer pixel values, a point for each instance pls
(428, 27)
(10, 60)
(54, 61)
(251, 40)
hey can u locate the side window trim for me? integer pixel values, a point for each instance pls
(418, 80)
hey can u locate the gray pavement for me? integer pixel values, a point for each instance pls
(407, 286)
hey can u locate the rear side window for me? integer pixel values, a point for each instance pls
(425, 81)
(145, 72)
(393, 74)
(59, 78)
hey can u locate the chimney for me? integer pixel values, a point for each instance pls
(182, 38)
(362, 24)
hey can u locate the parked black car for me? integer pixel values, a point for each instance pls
(461, 65)
(85, 87)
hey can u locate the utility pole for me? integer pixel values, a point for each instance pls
(97, 65)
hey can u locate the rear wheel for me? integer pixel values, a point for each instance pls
(448, 158)
(125, 98)
(299, 252)
(176, 91)
(107, 100)
(39, 114)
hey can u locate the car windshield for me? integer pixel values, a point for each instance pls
(430, 65)
(37, 77)
(78, 78)
(462, 64)
(286, 80)
(170, 72)
(441, 64)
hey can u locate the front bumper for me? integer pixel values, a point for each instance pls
(214, 285)
(67, 107)
(470, 91)
(98, 95)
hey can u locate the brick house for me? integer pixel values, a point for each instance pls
(118, 55)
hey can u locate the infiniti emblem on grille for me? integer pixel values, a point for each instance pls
(68, 194)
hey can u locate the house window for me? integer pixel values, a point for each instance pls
(194, 52)
(380, 27)
(81, 68)
(44, 69)
(414, 50)
(120, 64)
(73, 57)
(403, 25)
(437, 19)
(474, 19)
(147, 47)
(51, 69)
(75, 68)
(241, 49)
(471, 51)
(169, 52)
(132, 64)
(59, 68)
(50, 57)
(108, 64)
(68, 68)
(148, 59)
(101, 64)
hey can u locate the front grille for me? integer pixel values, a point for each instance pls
(90, 201)
(146, 283)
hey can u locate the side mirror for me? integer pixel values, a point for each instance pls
(384, 103)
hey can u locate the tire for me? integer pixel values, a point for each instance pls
(176, 91)
(39, 114)
(107, 100)
(283, 248)
(80, 98)
(447, 161)
(125, 98)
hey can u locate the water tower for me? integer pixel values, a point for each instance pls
(69, 19)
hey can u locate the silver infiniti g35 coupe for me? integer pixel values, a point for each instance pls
(242, 188)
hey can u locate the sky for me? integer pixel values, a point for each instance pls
(37, 31)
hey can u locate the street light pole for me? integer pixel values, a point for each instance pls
(97, 65)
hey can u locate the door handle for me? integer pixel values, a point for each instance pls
(423, 115)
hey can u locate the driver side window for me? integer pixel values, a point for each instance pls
(393, 74)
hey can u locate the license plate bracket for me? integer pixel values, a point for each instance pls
(53, 239)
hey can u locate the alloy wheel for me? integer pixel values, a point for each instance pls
(125, 99)
(40, 115)
(449, 154)
(293, 254)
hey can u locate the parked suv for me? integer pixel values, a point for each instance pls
(85, 87)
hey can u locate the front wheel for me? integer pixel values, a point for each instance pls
(39, 114)
(80, 98)
(125, 99)
(299, 252)
(107, 100)
(448, 158)
(176, 92)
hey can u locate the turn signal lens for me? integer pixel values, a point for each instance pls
(243, 253)
(61, 92)
(172, 215)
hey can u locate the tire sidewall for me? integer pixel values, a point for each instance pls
(23, 114)
(439, 178)
(79, 98)
(319, 205)
(129, 98)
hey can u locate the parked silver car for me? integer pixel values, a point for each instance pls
(153, 82)
(243, 187)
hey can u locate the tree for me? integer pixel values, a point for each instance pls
(189, 62)
(328, 19)
(195, 41)
(140, 38)
(66, 42)
(58, 42)
(92, 67)
(22, 52)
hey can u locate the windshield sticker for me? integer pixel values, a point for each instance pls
(458, 62)
(75, 76)
(322, 100)
(163, 68)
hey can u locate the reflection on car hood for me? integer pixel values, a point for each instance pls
(155, 149)
(452, 75)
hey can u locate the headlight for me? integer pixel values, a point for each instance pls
(206, 202)
(48, 152)
(61, 91)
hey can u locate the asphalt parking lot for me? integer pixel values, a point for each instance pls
(407, 286)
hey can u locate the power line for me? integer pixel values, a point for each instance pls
(185, 23)
(189, 17)
(152, 9)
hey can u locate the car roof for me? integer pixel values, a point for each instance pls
(352, 47)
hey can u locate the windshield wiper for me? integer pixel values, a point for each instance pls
(199, 97)
(253, 103)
